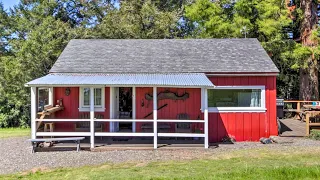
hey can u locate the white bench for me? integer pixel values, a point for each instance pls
(35, 142)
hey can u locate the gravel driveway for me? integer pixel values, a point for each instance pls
(16, 156)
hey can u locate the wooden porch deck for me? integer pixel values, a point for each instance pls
(293, 128)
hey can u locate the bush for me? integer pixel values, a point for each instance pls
(315, 134)
(14, 115)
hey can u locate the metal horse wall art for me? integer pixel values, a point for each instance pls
(168, 95)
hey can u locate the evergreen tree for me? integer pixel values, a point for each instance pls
(35, 43)
(138, 20)
(37, 31)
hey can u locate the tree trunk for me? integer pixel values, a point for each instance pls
(309, 85)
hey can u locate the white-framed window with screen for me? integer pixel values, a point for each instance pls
(84, 97)
(236, 99)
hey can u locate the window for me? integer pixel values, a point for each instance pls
(236, 98)
(98, 97)
(85, 99)
(43, 98)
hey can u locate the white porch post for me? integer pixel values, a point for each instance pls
(111, 115)
(33, 112)
(92, 117)
(206, 121)
(51, 96)
(155, 117)
(133, 108)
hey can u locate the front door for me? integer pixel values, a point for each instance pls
(125, 108)
(121, 100)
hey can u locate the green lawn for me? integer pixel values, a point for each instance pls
(14, 132)
(242, 164)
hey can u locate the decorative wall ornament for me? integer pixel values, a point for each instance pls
(168, 95)
(67, 91)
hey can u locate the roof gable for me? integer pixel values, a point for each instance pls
(164, 56)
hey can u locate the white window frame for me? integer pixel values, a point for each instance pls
(237, 109)
(83, 108)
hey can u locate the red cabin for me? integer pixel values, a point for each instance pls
(199, 89)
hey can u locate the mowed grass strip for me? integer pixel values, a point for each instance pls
(242, 164)
(14, 132)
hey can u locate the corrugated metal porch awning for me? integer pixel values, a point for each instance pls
(71, 79)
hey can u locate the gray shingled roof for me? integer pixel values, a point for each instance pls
(164, 56)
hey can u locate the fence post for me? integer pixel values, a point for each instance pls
(307, 123)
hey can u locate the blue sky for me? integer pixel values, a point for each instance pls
(9, 3)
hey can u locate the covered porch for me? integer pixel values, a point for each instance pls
(147, 90)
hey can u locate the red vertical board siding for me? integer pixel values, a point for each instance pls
(107, 108)
(224, 128)
(190, 106)
(71, 105)
(239, 131)
(143, 106)
(245, 126)
(273, 126)
(231, 120)
(221, 128)
(255, 130)
(214, 124)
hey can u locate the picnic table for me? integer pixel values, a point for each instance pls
(35, 142)
(305, 111)
(300, 108)
(312, 121)
(311, 107)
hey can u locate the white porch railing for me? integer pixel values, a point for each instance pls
(119, 134)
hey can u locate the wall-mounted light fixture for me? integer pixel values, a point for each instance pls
(67, 92)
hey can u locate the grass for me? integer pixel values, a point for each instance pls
(315, 134)
(264, 163)
(14, 132)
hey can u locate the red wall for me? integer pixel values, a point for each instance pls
(245, 126)
(71, 105)
(191, 106)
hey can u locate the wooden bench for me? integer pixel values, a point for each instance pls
(312, 123)
(35, 142)
(85, 125)
(299, 114)
(162, 127)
